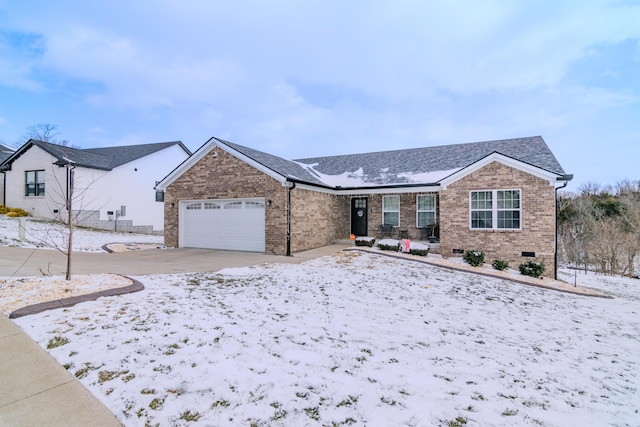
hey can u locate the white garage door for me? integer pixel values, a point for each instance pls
(233, 224)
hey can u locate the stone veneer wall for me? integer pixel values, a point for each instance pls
(318, 219)
(224, 176)
(538, 217)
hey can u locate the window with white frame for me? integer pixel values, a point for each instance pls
(34, 183)
(495, 209)
(508, 209)
(391, 210)
(425, 210)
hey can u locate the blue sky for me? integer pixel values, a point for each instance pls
(313, 78)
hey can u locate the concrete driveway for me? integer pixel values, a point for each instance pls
(22, 262)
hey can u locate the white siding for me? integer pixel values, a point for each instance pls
(130, 185)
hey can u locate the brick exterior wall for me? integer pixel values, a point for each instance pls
(318, 219)
(224, 176)
(408, 213)
(538, 217)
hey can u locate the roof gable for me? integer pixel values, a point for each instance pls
(106, 158)
(505, 160)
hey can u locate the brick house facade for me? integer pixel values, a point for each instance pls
(306, 207)
(536, 235)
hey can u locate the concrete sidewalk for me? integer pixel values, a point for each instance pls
(34, 389)
(37, 391)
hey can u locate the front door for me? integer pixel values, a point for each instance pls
(359, 216)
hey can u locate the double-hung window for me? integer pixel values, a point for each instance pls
(495, 210)
(34, 183)
(391, 210)
(425, 210)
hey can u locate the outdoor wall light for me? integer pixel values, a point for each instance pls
(171, 204)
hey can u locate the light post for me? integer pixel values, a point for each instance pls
(70, 165)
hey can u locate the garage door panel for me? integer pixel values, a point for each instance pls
(236, 224)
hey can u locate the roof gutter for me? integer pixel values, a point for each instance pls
(290, 186)
(4, 187)
(566, 178)
(340, 189)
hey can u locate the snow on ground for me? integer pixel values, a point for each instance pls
(18, 292)
(46, 234)
(354, 338)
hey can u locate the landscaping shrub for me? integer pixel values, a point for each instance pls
(474, 258)
(387, 245)
(365, 241)
(500, 264)
(419, 252)
(532, 268)
(12, 212)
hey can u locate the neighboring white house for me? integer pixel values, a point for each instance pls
(5, 152)
(113, 187)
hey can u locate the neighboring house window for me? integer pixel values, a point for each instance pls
(495, 209)
(159, 196)
(391, 210)
(426, 210)
(34, 183)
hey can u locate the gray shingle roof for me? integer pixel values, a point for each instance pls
(106, 158)
(426, 165)
(286, 168)
(5, 152)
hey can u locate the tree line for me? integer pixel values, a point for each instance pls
(599, 227)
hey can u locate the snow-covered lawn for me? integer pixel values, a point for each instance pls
(354, 338)
(46, 234)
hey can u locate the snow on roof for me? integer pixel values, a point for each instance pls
(425, 166)
(358, 178)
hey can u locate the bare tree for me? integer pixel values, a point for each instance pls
(45, 132)
(629, 197)
(600, 227)
(69, 192)
(42, 132)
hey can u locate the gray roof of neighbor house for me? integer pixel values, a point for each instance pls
(5, 152)
(106, 158)
(426, 165)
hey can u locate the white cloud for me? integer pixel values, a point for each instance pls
(312, 78)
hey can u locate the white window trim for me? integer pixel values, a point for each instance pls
(383, 209)
(422, 210)
(36, 183)
(494, 210)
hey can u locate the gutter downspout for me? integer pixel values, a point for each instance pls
(4, 188)
(290, 186)
(555, 249)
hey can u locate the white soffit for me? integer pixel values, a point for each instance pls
(373, 190)
(507, 161)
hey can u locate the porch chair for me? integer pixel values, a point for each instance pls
(386, 230)
(428, 232)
